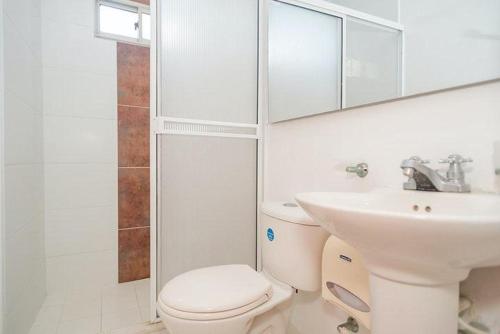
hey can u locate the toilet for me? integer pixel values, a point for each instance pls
(236, 299)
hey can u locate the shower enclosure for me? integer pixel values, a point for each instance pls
(206, 134)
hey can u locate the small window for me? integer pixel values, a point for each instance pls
(123, 20)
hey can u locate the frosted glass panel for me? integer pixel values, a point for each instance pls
(209, 59)
(304, 62)
(373, 63)
(387, 9)
(207, 203)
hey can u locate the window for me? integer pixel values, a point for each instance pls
(123, 20)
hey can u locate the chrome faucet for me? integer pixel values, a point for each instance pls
(421, 177)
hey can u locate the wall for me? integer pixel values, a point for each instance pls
(133, 162)
(80, 121)
(316, 150)
(22, 241)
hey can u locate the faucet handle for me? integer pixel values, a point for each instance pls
(455, 159)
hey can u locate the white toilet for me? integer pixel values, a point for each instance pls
(235, 299)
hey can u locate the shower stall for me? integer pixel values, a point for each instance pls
(206, 136)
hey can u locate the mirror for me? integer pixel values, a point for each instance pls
(330, 55)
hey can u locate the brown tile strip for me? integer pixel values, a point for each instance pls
(133, 254)
(133, 75)
(133, 137)
(133, 197)
(133, 161)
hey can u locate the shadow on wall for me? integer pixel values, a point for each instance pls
(496, 163)
(312, 314)
(482, 286)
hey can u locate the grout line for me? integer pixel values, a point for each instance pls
(24, 164)
(108, 119)
(110, 206)
(59, 318)
(133, 228)
(62, 22)
(131, 106)
(99, 118)
(100, 313)
(71, 69)
(112, 163)
(81, 253)
(137, 300)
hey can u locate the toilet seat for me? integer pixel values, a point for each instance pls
(214, 315)
(214, 293)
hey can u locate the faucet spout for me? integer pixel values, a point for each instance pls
(421, 177)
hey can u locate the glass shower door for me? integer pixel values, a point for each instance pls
(208, 135)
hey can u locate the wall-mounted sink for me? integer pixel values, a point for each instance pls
(417, 246)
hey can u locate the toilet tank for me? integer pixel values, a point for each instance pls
(292, 245)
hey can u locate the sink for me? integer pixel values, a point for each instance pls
(417, 246)
(417, 237)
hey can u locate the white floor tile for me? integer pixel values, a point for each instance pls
(112, 305)
(142, 289)
(89, 309)
(80, 326)
(140, 329)
(123, 290)
(82, 294)
(145, 313)
(49, 315)
(121, 319)
(79, 310)
(54, 299)
(44, 329)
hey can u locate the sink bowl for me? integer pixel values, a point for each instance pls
(417, 247)
(410, 236)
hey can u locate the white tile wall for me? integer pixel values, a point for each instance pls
(80, 150)
(75, 140)
(78, 12)
(316, 151)
(24, 257)
(82, 94)
(74, 47)
(81, 272)
(78, 230)
(80, 185)
(27, 135)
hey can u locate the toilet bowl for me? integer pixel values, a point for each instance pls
(227, 306)
(235, 299)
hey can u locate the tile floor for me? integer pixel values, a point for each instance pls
(118, 309)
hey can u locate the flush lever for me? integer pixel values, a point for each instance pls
(360, 169)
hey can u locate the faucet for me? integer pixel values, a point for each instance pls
(421, 177)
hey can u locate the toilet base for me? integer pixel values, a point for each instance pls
(223, 326)
(274, 321)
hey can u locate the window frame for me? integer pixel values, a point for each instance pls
(127, 5)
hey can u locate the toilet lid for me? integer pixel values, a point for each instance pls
(216, 289)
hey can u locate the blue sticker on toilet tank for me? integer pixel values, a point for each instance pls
(270, 234)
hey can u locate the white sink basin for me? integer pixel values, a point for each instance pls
(412, 238)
